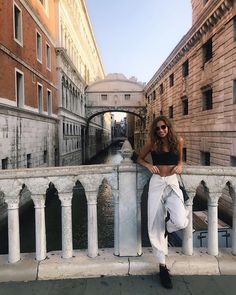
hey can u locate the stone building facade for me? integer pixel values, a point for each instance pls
(196, 86)
(28, 94)
(79, 65)
(48, 57)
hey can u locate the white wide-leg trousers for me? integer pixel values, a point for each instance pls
(164, 195)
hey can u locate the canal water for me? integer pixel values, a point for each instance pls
(105, 212)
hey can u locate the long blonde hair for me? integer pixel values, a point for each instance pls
(171, 135)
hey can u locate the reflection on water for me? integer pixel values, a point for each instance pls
(109, 156)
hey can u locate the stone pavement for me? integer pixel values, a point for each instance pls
(109, 274)
(124, 285)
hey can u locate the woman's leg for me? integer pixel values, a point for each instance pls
(156, 219)
(177, 212)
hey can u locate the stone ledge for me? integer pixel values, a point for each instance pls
(82, 266)
(24, 270)
(106, 264)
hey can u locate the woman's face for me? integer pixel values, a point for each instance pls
(161, 129)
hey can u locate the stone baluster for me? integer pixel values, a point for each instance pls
(13, 229)
(116, 222)
(67, 247)
(139, 233)
(128, 225)
(234, 228)
(40, 229)
(212, 247)
(92, 223)
(187, 247)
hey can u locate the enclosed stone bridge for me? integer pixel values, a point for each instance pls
(115, 93)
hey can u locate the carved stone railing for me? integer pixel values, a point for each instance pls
(126, 182)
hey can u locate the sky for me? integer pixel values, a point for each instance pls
(134, 37)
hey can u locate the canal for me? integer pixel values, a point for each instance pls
(79, 215)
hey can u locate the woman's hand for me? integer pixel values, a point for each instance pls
(177, 169)
(153, 169)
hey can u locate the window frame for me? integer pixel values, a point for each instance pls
(171, 112)
(20, 102)
(185, 111)
(103, 97)
(206, 47)
(39, 51)
(19, 41)
(48, 57)
(40, 99)
(185, 69)
(205, 158)
(205, 100)
(49, 102)
(171, 80)
(127, 97)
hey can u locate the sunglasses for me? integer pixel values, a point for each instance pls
(162, 127)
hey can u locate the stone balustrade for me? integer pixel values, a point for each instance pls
(126, 182)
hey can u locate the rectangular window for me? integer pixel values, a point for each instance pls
(233, 161)
(185, 68)
(127, 96)
(154, 95)
(4, 163)
(207, 103)
(207, 51)
(161, 88)
(234, 91)
(17, 19)
(19, 88)
(205, 158)
(171, 112)
(45, 156)
(49, 102)
(184, 105)
(28, 165)
(40, 97)
(171, 80)
(104, 96)
(184, 154)
(39, 46)
(48, 57)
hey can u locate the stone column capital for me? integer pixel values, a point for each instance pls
(12, 202)
(65, 199)
(91, 197)
(39, 201)
(214, 198)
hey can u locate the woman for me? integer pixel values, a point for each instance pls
(166, 210)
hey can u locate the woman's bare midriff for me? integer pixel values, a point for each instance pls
(165, 170)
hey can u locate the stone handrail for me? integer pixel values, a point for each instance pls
(126, 182)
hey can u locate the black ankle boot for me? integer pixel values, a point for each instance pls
(165, 277)
(166, 219)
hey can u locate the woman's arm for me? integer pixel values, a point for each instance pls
(178, 168)
(142, 155)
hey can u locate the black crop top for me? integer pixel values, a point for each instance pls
(164, 158)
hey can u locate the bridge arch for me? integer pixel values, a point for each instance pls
(115, 93)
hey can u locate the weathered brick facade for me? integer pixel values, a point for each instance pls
(195, 86)
(28, 134)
